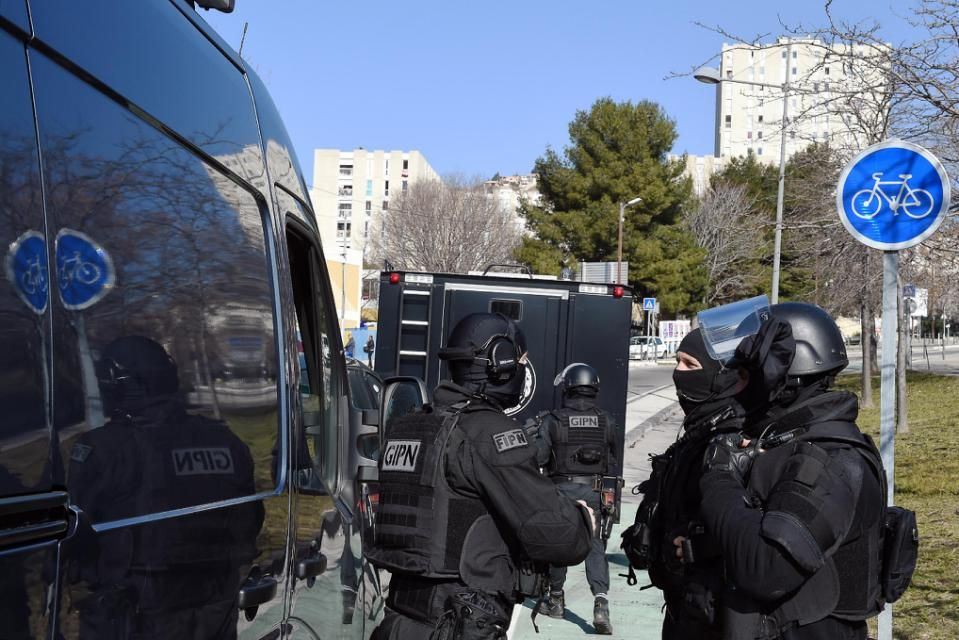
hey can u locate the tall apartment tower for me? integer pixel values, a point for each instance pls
(350, 189)
(749, 117)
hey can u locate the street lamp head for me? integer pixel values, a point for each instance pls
(708, 75)
(635, 200)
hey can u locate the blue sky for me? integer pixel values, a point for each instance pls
(485, 87)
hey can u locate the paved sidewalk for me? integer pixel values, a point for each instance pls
(635, 614)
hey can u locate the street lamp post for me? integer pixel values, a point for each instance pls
(708, 75)
(619, 243)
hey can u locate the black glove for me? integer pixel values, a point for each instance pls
(725, 454)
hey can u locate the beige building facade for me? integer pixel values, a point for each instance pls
(350, 190)
(749, 118)
(509, 191)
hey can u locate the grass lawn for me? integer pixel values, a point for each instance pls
(927, 481)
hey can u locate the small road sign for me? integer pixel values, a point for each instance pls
(84, 270)
(27, 270)
(649, 304)
(893, 195)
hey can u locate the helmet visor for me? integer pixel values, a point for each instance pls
(724, 327)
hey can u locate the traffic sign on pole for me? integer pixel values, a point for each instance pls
(893, 195)
(649, 304)
(84, 270)
(27, 270)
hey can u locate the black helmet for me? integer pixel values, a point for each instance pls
(819, 345)
(135, 372)
(486, 354)
(580, 376)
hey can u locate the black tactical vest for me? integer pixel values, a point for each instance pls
(420, 523)
(580, 442)
(847, 586)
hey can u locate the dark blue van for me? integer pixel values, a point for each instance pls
(170, 467)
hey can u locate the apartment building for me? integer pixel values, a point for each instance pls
(349, 192)
(509, 191)
(818, 79)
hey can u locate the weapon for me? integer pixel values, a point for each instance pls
(608, 488)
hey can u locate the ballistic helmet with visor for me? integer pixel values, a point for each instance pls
(724, 327)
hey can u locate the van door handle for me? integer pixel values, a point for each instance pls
(33, 518)
(311, 567)
(256, 593)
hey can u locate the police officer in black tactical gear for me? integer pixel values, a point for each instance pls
(176, 577)
(795, 502)
(576, 446)
(465, 518)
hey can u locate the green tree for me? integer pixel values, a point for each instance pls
(617, 151)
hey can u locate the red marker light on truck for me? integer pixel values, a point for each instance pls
(618, 292)
(394, 278)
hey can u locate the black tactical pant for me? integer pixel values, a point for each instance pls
(597, 568)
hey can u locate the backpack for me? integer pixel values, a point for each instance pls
(670, 506)
(899, 536)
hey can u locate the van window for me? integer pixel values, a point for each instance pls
(320, 375)
(24, 296)
(512, 309)
(163, 310)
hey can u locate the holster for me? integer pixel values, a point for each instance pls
(471, 615)
(532, 580)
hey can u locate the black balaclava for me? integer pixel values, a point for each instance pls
(702, 386)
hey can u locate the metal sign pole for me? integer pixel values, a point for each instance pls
(887, 413)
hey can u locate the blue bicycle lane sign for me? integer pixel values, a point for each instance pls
(84, 270)
(893, 195)
(27, 270)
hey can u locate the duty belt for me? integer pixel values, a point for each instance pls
(589, 480)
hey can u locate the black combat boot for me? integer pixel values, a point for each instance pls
(601, 622)
(555, 605)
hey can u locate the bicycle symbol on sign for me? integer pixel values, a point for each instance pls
(915, 203)
(74, 267)
(34, 280)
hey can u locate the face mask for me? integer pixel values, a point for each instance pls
(711, 382)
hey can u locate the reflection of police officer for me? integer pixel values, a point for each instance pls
(799, 530)
(175, 577)
(463, 508)
(578, 449)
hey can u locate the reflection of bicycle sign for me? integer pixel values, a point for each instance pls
(34, 278)
(915, 203)
(74, 267)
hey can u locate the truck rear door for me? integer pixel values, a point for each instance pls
(540, 313)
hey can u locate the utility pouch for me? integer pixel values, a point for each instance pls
(589, 455)
(900, 551)
(531, 580)
(471, 615)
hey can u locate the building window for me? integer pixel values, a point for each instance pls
(729, 73)
(386, 205)
(749, 135)
(343, 229)
(406, 185)
(826, 71)
(366, 229)
(346, 170)
(345, 210)
(815, 86)
(759, 118)
(386, 188)
(794, 70)
(784, 54)
(759, 135)
(729, 122)
(369, 187)
(345, 190)
(792, 135)
(406, 164)
(759, 151)
(369, 207)
(795, 54)
(386, 167)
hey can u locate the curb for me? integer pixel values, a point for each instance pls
(649, 423)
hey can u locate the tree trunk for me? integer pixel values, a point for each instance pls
(902, 423)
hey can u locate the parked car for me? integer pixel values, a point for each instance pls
(647, 347)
